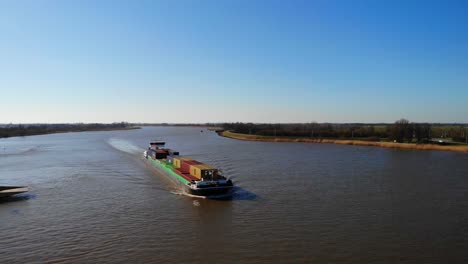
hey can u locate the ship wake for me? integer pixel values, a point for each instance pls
(124, 146)
(181, 192)
(219, 197)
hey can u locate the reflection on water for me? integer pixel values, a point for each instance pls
(240, 193)
(17, 198)
(93, 199)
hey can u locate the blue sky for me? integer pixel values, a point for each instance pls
(216, 61)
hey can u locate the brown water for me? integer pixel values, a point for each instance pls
(94, 199)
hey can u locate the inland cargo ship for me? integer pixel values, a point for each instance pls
(196, 178)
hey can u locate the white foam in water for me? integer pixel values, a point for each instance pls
(125, 146)
(187, 194)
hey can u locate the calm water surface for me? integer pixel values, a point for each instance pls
(93, 199)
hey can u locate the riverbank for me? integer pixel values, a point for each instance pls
(35, 132)
(247, 137)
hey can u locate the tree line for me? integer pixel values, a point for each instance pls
(401, 131)
(13, 130)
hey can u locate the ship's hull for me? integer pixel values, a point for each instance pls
(210, 192)
(216, 192)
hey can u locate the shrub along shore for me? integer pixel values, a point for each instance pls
(240, 136)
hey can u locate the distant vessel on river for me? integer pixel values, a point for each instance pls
(7, 191)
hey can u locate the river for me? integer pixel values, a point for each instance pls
(94, 199)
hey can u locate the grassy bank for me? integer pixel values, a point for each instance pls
(247, 137)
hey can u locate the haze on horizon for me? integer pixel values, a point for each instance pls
(217, 61)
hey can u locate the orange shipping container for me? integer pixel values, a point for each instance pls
(177, 161)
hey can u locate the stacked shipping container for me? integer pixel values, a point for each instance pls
(177, 161)
(186, 165)
(203, 171)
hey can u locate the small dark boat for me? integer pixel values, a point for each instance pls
(7, 191)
